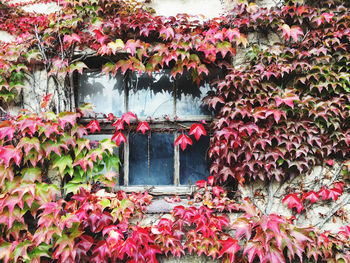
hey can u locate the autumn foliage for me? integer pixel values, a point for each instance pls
(279, 113)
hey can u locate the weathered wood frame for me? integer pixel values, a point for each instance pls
(156, 124)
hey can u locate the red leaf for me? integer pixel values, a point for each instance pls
(183, 140)
(127, 117)
(7, 153)
(118, 137)
(173, 199)
(143, 127)
(312, 196)
(289, 100)
(232, 33)
(274, 256)
(334, 193)
(330, 162)
(217, 190)
(293, 32)
(242, 227)
(132, 45)
(324, 192)
(293, 200)
(93, 126)
(230, 247)
(67, 117)
(201, 184)
(339, 185)
(119, 125)
(110, 117)
(197, 129)
(168, 32)
(328, 17)
(69, 39)
(6, 129)
(254, 249)
(45, 101)
(211, 180)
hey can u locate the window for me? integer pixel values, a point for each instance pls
(152, 159)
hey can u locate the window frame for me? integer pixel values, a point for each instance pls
(158, 123)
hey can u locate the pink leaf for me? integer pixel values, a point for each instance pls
(127, 117)
(93, 126)
(201, 184)
(132, 45)
(197, 129)
(330, 162)
(183, 140)
(168, 32)
(143, 127)
(292, 200)
(312, 196)
(118, 138)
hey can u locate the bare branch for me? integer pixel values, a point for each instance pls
(333, 211)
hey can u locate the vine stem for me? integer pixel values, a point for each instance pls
(333, 211)
(270, 198)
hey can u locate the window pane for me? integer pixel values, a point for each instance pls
(194, 164)
(118, 151)
(160, 169)
(104, 91)
(190, 95)
(151, 96)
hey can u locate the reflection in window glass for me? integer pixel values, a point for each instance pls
(194, 164)
(158, 167)
(190, 95)
(118, 151)
(151, 96)
(104, 91)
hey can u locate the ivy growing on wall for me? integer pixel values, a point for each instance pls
(280, 112)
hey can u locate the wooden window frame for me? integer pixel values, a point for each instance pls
(157, 124)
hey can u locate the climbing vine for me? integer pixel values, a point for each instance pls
(281, 111)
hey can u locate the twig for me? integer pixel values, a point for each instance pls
(41, 49)
(333, 211)
(58, 30)
(336, 174)
(2, 109)
(279, 187)
(255, 204)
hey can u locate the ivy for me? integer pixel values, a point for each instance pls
(280, 113)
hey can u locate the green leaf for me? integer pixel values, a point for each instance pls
(40, 251)
(112, 161)
(31, 174)
(74, 187)
(21, 250)
(79, 66)
(105, 202)
(62, 162)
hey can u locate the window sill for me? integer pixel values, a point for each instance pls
(161, 206)
(160, 190)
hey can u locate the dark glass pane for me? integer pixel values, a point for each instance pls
(194, 164)
(151, 96)
(104, 91)
(189, 96)
(118, 151)
(160, 169)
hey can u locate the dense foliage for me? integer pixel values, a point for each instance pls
(280, 112)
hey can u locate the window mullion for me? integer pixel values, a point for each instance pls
(174, 97)
(126, 144)
(176, 162)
